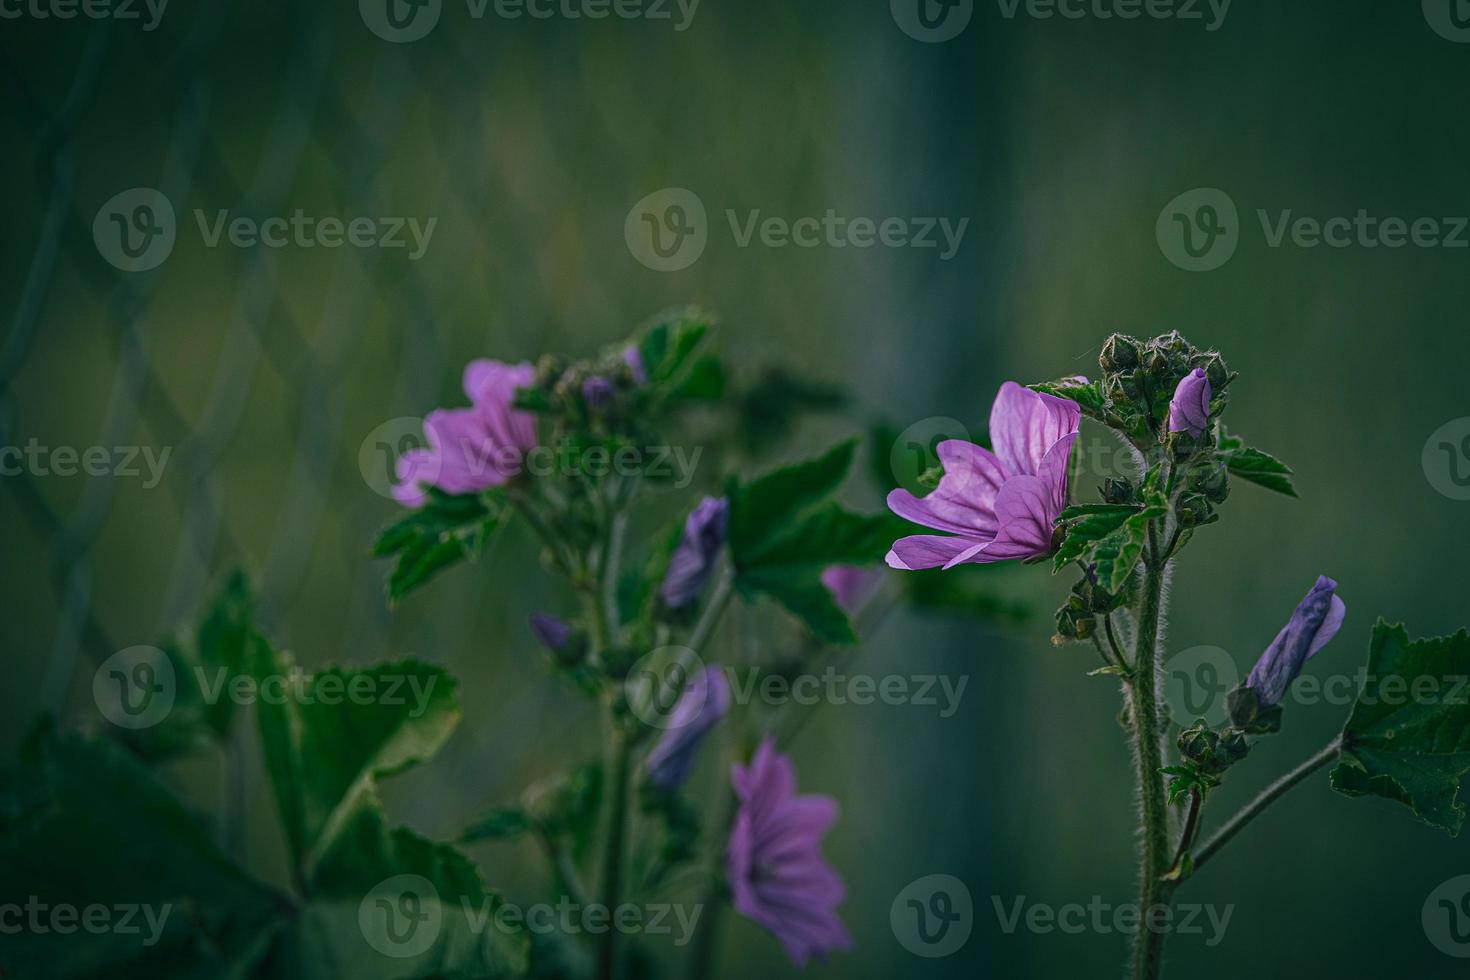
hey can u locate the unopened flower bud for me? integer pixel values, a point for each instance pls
(1119, 353)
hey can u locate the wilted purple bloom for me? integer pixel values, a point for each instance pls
(1000, 504)
(597, 391)
(634, 359)
(703, 703)
(1315, 621)
(552, 632)
(694, 558)
(778, 876)
(471, 449)
(850, 585)
(1189, 410)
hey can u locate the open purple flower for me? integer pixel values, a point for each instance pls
(703, 703)
(850, 585)
(778, 876)
(694, 558)
(994, 505)
(1315, 622)
(1189, 410)
(471, 449)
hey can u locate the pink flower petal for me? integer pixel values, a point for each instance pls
(1025, 424)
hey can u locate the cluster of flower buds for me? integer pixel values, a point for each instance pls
(586, 393)
(1077, 619)
(1141, 379)
(1212, 752)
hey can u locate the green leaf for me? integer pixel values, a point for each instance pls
(784, 533)
(501, 823)
(1262, 469)
(763, 511)
(83, 822)
(789, 569)
(1109, 536)
(1408, 738)
(440, 534)
(667, 344)
(704, 382)
(1089, 397)
(338, 731)
(1253, 465)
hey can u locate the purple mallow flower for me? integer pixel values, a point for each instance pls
(471, 449)
(694, 558)
(703, 703)
(1189, 410)
(778, 876)
(994, 505)
(552, 632)
(634, 359)
(850, 585)
(1315, 621)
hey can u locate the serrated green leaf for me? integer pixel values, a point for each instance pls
(1262, 469)
(1109, 538)
(804, 596)
(336, 732)
(83, 822)
(1089, 397)
(501, 823)
(763, 511)
(1408, 738)
(440, 534)
(1085, 526)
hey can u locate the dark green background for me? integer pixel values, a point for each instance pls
(1060, 141)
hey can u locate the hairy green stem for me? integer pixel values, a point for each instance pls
(1266, 797)
(1154, 856)
(615, 819)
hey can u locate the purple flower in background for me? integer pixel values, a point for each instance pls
(597, 391)
(552, 632)
(994, 505)
(703, 703)
(1315, 621)
(694, 558)
(1189, 410)
(850, 585)
(778, 877)
(471, 449)
(634, 359)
